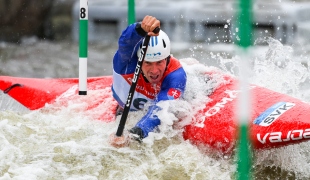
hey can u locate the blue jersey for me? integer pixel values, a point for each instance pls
(125, 60)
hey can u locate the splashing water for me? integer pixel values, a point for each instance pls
(277, 69)
(59, 142)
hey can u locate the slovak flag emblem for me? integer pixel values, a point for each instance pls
(173, 93)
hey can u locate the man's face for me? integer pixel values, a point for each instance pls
(154, 71)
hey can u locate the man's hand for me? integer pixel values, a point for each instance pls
(149, 23)
(118, 141)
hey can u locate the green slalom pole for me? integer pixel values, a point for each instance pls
(131, 12)
(244, 146)
(83, 47)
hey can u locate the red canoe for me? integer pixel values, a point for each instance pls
(276, 119)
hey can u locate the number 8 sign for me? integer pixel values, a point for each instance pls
(84, 9)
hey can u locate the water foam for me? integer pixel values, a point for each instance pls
(67, 143)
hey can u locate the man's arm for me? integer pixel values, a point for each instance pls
(172, 88)
(125, 58)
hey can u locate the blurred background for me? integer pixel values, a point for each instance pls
(40, 38)
(46, 19)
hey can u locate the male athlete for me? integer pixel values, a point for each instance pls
(162, 76)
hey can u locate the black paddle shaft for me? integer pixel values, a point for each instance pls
(137, 72)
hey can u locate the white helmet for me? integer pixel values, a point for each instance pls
(158, 49)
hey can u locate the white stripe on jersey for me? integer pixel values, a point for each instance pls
(121, 88)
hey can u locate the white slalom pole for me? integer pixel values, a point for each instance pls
(83, 47)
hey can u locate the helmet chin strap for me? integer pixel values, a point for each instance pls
(167, 62)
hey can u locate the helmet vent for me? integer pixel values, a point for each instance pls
(164, 44)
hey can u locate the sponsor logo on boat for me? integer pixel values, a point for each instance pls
(273, 113)
(277, 137)
(231, 95)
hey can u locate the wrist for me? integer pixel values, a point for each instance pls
(139, 30)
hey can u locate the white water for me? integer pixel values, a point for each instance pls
(66, 143)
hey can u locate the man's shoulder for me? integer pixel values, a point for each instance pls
(173, 65)
(174, 71)
(174, 60)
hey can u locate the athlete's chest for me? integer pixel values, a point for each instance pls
(143, 87)
(148, 89)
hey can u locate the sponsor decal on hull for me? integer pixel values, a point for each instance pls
(231, 95)
(273, 113)
(277, 137)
